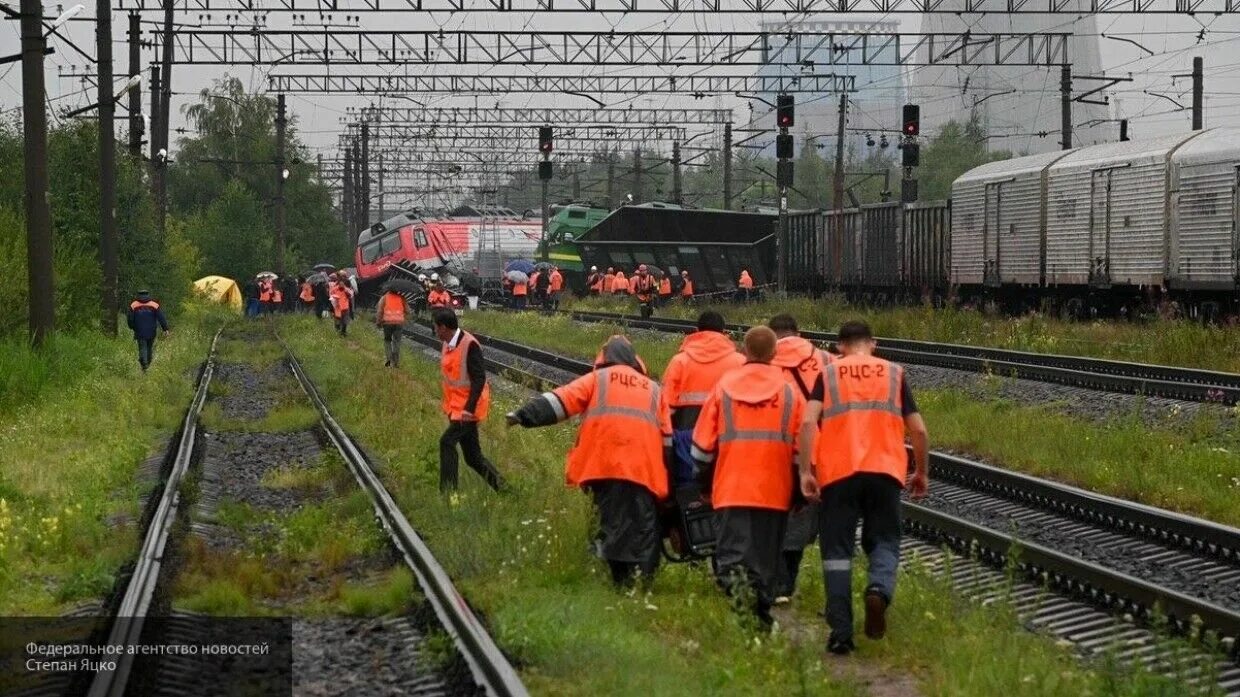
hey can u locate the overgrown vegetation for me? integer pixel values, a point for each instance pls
(521, 558)
(1186, 468)
(1164, 342)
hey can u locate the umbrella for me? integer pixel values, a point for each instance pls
(316, 278)
(655, 271)
(403, 286)
(349, 271)
(517, 277)
(543, 266)
(324, 267)
(520, 265)
(265, 274)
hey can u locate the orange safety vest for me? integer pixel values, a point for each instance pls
(665, 286)
(520, 289)
(609, 280)
(746, 280)
(340, 300)
(642, 287)
(264, 291)
(138, 304)
(801, 361)
(686, 291)
(862, 427)
(624, 428)
(534, 280)
(620, 284)
(392, 309)
(595, 282)
(695, 370)
(277, 295)
(556, 282)
(456, 380)
(439, 298)
(748, 427)
(307, 293)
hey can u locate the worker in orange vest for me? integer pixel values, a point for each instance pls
(688, 379)
(144, 315)
(744, 285)
(264, 294)
(594, 282)
(665, 289)
(609, 280)
(535, 278)
(802, 364)
(520, 293)
(390, 314)
(555, 284)
(341, 297)
(745, 442)
(852, 458)
(642, 286)
(438, 295)
(466, 401)
(686, 286)
(619, 456)
(306, 295)
(620, 284)
(277, 296)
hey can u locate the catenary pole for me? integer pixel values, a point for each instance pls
(38, 215)
(107, 166)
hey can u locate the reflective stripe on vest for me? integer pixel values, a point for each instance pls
(463, 344)
(601, 408)
(891, 406)
(783, 435)
(691, 399)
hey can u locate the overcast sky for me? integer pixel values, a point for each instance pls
(1172, 39)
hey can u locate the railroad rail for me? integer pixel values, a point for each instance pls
(1129, 562)
(490, 669)
(1186, 384)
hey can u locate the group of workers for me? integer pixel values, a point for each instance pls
(786, 441)
(543, 289)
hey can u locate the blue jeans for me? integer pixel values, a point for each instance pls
(146, 352)
(874, 500)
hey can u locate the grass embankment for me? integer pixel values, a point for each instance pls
(76, 420)
(323, 555)
(1192, 468)
(521, 558)
(1162, 342)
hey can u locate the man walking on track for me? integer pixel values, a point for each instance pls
(859, 411)
(390, 314)
(466, 400)
(144, 315)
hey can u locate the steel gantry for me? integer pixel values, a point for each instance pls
(452, 116)
(591, 84)
(387, 137)
(1211, 7)
(253, 46)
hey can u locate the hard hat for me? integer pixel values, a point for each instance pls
(421, 277)
(434, 277)
(594, 268)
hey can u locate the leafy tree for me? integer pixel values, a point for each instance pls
(957, 148)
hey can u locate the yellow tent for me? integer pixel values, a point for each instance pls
(220, 289)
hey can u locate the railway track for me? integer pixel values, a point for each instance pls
(1117, 569)
(1186, 384)
(491, 672)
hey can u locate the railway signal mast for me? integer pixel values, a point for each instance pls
(911, 152)
(545, 146)
(785, 117)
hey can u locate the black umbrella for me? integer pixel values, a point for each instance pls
(324, 267)
(542, 265)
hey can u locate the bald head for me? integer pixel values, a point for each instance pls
(760, 344)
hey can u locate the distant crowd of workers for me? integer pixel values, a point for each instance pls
(787, 443)
(543, 289)
(651, 292)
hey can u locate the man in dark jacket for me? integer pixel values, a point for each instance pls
(144, 315)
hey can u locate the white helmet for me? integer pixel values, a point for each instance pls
(434, 277)
(594, 268)
(421, 277)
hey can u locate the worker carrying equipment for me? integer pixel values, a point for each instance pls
(619, 456)
(390, 315)
(802, 364)
(466, 401)
(688, 379)
(855, 423)
(745, 443)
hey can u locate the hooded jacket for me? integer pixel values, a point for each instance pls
(801, 361)
(144, 316)
(748, 430)
(694, 371)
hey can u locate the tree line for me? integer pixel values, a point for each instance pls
(221, 183)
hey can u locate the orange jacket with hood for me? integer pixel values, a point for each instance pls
(694, 371)
(801, 361)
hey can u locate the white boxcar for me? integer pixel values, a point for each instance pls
(1108, 216)
(1205, 243)
(998, 215)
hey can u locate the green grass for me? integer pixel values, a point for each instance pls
(1164, 342)
(72, 436)
(1193, 467)
(521, 559)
